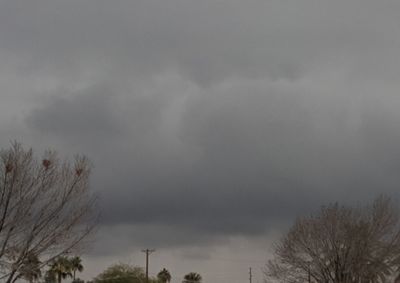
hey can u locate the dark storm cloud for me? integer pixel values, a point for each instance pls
(263, 160)
(82, 115)
(213, 117)
(238, 166)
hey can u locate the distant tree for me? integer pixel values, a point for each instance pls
(62, 268)
(50, 277)
(46, 208)
(78, 280)
(76, 265)
(164, 276)
(192, 277)
(121, 273)
(340, 245)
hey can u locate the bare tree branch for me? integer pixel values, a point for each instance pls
(46, 208)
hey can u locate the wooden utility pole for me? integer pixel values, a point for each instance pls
(147, 252)
(250, 275)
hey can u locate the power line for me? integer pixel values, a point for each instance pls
(238, 260)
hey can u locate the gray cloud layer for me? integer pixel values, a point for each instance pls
(214, 118)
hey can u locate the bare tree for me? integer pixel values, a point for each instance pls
(46, 209)
(340, 245)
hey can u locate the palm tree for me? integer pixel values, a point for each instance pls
(50, 277)
(76, 265)
(192, 277)
(164, 276)
(30, 269)
(61, 267)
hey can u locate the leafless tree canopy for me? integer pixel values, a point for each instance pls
(340, 244)
(46, 208)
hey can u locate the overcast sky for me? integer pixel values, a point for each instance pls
(211, 124)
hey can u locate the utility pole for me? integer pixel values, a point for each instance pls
(147, 252)
(250, 275)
